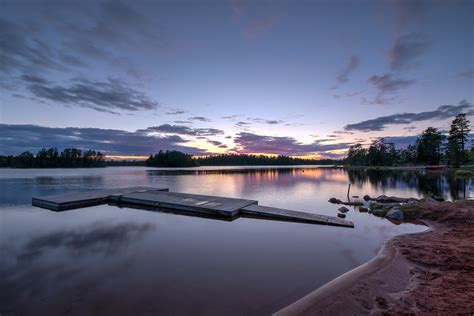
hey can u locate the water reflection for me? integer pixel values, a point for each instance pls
(109, 260)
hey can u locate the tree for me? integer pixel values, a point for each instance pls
(429, 146)
(457, 139)
(357, 155)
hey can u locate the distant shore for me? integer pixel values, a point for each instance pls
(425, 273)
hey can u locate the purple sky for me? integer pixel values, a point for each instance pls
(304, 78)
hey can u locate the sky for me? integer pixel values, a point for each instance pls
(298, 78)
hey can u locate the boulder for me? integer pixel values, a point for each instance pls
(355, 196)
(379, 212)
(343, 209)
(341, 215)
(366, 198)
(395, 214)
(334, 201)
(391, 199)
(363, 209)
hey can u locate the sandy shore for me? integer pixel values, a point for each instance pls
(426, 273)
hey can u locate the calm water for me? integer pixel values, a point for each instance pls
(110, 260)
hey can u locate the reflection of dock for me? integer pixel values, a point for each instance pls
(193, 204)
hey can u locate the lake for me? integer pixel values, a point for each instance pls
(111, 260)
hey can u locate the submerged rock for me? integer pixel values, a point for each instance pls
(352, 203)
(343, 209)
(334, 201)
(341, 215)
(363, 209)
(366, 198)
(395, 214)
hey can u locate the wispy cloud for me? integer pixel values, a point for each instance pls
(182, 130)
(352, 64)
(407, 49)
(175, 112)
(387, 87)
(106, 96)
(199, 118)
(469, 74)
(254, 143)
(442, 112)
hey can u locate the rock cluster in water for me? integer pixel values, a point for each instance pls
(390, 207)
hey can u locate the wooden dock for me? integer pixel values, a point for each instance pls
(193, 204)
(73, 200)
(214, 205)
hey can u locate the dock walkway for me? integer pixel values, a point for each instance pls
(160, 198)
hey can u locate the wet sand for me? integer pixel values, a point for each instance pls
(425, 273)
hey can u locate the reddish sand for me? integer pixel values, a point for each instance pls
(430, 273)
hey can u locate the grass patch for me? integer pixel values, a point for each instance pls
(410, 210)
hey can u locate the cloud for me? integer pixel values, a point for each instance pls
(406, 11)
(106, 96)
(466, 74)
(388, 84)
(442, 112)
(199, 118)
(182, 130)
(175, 112)
(257, 26)
(253, 143)
(406, 50)
(264, 121)
(242, 124)
(352, 64)
(231, 117)
(15, 139)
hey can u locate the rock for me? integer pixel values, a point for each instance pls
(334, 201)
(363, 209)
(391, 199)
(366, 198)
(413, 201)
(355, 196)
(352, 203)
(343, 209)
(438, 198)
(395, 214)
(341, 215)
(379, 212)
(377, 205)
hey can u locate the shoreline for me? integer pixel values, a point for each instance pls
(426, 272)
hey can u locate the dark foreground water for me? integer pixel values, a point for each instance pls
(110, 260)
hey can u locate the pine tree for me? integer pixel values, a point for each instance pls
(457, 139)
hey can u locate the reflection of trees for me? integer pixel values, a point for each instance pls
(428, 183)
(264, 171)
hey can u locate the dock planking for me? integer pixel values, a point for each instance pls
(214, 205)
(74, 200)
(192, 204)
(292, 216)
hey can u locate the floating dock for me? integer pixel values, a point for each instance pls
(193, 204)
(73, 200)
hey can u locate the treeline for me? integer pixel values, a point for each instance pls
(51, 158)
(259, 160)
(171, 159)
(431, 148)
